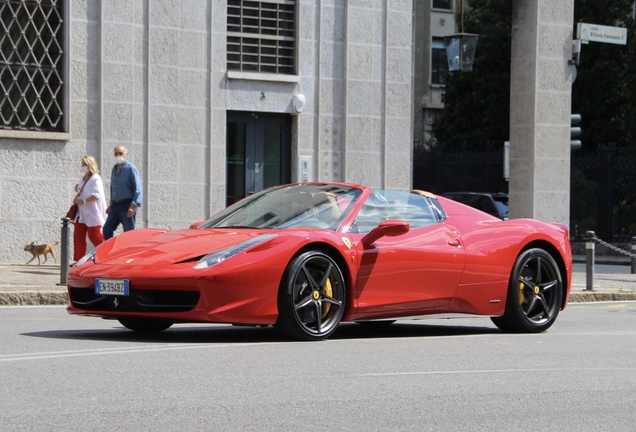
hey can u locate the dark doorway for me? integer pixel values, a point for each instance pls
(258, 153)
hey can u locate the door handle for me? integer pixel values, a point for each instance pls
(455, 242)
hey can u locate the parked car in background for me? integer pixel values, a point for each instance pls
(495, 204)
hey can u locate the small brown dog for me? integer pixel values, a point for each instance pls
(41, 250)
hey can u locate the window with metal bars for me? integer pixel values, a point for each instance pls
(261, 36)
(31, 65)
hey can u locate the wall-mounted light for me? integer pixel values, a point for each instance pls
(298, 103)
(460, 48)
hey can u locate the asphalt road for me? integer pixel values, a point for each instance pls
(61, 372)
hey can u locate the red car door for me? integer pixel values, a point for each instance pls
(414, 271)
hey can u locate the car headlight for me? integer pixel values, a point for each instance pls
(218, 257)
(82, 260)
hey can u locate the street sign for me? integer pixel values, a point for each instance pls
(599, 33)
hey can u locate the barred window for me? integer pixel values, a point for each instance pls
(31, 65)
(261, 36)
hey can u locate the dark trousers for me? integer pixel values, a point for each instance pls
(118, 214)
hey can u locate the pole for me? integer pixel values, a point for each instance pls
(64, 259)
(589, 261)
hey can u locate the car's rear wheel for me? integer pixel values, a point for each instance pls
(145, 325)
(312, 297)
(535, 294)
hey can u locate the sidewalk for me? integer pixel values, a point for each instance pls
(34, 284)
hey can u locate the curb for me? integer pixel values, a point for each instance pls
(595, 296)
(60, 298)
(33, 298)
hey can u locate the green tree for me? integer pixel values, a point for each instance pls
(477, 103)
(604, 92)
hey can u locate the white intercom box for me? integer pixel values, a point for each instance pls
(305, 173)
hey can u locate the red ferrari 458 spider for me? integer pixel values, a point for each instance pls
(306, 257)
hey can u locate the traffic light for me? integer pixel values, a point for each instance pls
(575, 131)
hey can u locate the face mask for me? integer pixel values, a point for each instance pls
(120, 159)
(84, 169)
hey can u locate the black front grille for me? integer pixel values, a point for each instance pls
(136, 301)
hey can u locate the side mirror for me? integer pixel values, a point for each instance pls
(388, 228)
(196, 224)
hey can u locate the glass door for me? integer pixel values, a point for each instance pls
(258, 153)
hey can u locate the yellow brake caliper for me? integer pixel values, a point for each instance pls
(328, 291)
(521, 295)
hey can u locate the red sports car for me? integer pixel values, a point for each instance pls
(305, 257)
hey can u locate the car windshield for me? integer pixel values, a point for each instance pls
(293, 206)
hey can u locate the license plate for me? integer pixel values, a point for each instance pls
(111, 287)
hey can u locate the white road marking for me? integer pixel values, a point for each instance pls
(182, 346)
(110, 351)
(494, 371)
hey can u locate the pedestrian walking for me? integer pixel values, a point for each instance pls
(125, 194)
(91, 208)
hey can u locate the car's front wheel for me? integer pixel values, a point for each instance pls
(145, 325)
(535, 294)
(312, 297)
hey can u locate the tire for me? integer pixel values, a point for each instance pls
(535, 294)
(145, 325)
(312, 297)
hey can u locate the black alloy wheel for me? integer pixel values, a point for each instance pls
(535, 294)
(312, 297)
(145, 325)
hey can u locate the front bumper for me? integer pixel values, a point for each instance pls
(237, 296)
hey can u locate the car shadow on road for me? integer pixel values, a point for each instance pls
(188, 334)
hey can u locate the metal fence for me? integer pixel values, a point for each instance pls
(603, 194)
(602, 189)
(439, 171)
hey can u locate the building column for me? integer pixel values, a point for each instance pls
(540, 104)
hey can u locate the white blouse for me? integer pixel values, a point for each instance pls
(92, 213)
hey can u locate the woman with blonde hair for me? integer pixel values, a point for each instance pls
(91, 205)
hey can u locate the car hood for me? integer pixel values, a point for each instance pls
(161, 247)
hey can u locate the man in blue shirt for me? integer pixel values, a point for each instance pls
(125, 194)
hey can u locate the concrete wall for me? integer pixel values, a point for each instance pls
(151, 74)
(540, 102)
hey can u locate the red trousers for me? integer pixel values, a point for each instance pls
(79, 238)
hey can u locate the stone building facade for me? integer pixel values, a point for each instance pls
(433, 21)
(212, 102)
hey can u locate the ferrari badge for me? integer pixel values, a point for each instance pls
(347, 242)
